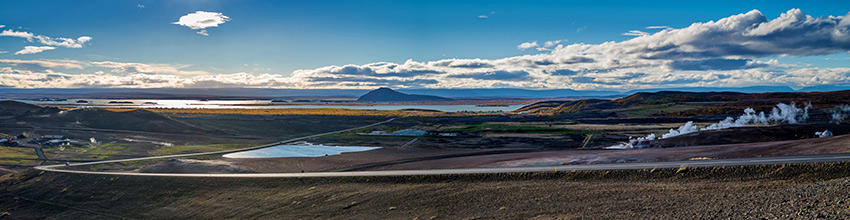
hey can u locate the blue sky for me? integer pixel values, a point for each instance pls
(273, 40)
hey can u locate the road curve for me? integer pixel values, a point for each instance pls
(821, 158)
(51, 167)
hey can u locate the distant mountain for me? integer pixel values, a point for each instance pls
(825, 88)
(388, 95)
(264, 93)
(508, 93)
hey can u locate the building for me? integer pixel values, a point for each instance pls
(448, 133)
(56, 142)
(825, 133)
(374, 133)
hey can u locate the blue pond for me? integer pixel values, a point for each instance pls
(298, 150)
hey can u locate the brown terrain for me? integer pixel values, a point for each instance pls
(552, 134)
(414, 158)
(759, 192)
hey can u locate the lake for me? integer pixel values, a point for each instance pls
(258, 104)
(297, 150)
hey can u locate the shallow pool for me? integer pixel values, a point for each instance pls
(299, 150)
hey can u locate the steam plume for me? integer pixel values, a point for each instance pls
(782, 113)
(839, 113)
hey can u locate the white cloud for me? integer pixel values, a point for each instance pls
(660, 27)
(43, 65)
(63, 42)
(21, 34)
(548, 45)
(635, 33)
(143, 68)
(526, 45)
(485, 16)
(44, 40)
(2, 26)
(552, 43)
(34, 49)
(140, 6)
(202, 20)
(729, 52)
(581, 29)
(3, 51)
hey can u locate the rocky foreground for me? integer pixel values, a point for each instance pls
(782, 191)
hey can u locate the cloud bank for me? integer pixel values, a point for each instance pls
(730, 52)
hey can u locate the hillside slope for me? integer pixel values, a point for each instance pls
(13, 108)
(135, 120)
(714, 102)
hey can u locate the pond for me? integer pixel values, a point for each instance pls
(297, 150)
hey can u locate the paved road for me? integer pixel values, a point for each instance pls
(617, 166)
(40, 152)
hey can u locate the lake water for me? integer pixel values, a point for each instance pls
(257, 104)
(300, 150)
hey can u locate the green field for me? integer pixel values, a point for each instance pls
(504, 128)
(656, 110)
(186, 149)
(14, 155)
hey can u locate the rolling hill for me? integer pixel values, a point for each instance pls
(715, 102)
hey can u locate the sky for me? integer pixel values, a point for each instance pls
(582, 45)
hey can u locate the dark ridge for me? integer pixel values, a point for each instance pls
(720, 102)
(13, 108)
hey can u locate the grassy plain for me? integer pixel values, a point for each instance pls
(16, 155)
(516, 128)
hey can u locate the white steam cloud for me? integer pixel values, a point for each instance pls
(684, 129)
(839, 113)
(782, 113)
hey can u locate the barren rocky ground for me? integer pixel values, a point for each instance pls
(808, 191)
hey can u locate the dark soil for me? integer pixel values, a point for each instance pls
(752, 134)
(753, 192)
